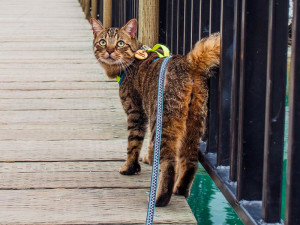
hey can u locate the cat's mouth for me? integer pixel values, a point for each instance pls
(109, 60)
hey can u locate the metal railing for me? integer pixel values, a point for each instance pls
(244, 151)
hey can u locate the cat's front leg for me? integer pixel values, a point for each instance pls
(137, 121)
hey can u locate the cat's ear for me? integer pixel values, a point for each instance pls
(131, 27)
(97, 26)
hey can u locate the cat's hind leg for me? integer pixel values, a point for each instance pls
(172, 133)
(188, 154)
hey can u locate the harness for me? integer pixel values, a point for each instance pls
(145, 49)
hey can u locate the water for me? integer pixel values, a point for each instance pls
(208, 203)
(284, 162)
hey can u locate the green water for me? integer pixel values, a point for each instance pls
(210, 206)
(208, 203)
(284, 162)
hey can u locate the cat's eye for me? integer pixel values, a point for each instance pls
(120, 43)
(102, 42)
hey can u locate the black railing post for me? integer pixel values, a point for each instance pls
(214, 26)
(195, 21)
(225, 82)
(292, 207)
(275, 110)
(214, 16)
(235, 90)
(100, 11)
(181, 27)
(204, 18)
(188, 26)
(174, 47)
(163, 22)
(254, 42)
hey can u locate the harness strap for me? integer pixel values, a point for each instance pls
(166, 52)
(156, 151)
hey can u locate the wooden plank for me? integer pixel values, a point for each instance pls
(49, 76)
(52, 167)
(57, 104)
(70, 175)
(46, 66)
(63, 150)
(101, 116)
(50, 61)
(55, 132)
(37, 55)
(46, 46)
(58, 94)
(71, 85)
(46, 38)
(87, 206)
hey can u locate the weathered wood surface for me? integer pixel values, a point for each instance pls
(62, 127)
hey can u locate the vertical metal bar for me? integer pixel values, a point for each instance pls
(136, 12)
(196, 21)
(119, 13)
(254, 42)
(275, 108)
(174, 26)
(180, 27)
(292, 215)
(188, 26)
(124, 7)
(163, 16)
(214, 16)
(128, 10)
(212, 131)
(225, 82)
(235, 90)
(169, 24)
(100, 11)
(114, 12)
(204, 18)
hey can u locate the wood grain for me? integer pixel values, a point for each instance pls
(87, 206)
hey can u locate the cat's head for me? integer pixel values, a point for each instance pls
(114, 48)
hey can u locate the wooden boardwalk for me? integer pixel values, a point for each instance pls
(62, 128)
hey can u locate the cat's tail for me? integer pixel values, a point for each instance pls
(205, 55)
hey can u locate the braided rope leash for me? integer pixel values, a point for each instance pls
(156, 153)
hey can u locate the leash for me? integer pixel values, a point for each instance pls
(156, 151)
(142, 54)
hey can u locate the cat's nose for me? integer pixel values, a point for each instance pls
(110, 50)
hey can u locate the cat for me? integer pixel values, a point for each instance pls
(184, 109)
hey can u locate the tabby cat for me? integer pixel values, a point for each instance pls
(185, 102)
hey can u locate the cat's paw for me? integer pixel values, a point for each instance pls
(147, 160)
(130, 169)
(166, 183)
(181, 191)
(163, 199)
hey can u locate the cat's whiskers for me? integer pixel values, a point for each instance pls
(126, 67)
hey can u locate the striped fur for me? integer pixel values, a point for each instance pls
(185, 105)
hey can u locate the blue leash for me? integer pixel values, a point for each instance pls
(156, 151)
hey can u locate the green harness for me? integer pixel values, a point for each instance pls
(166, 52)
